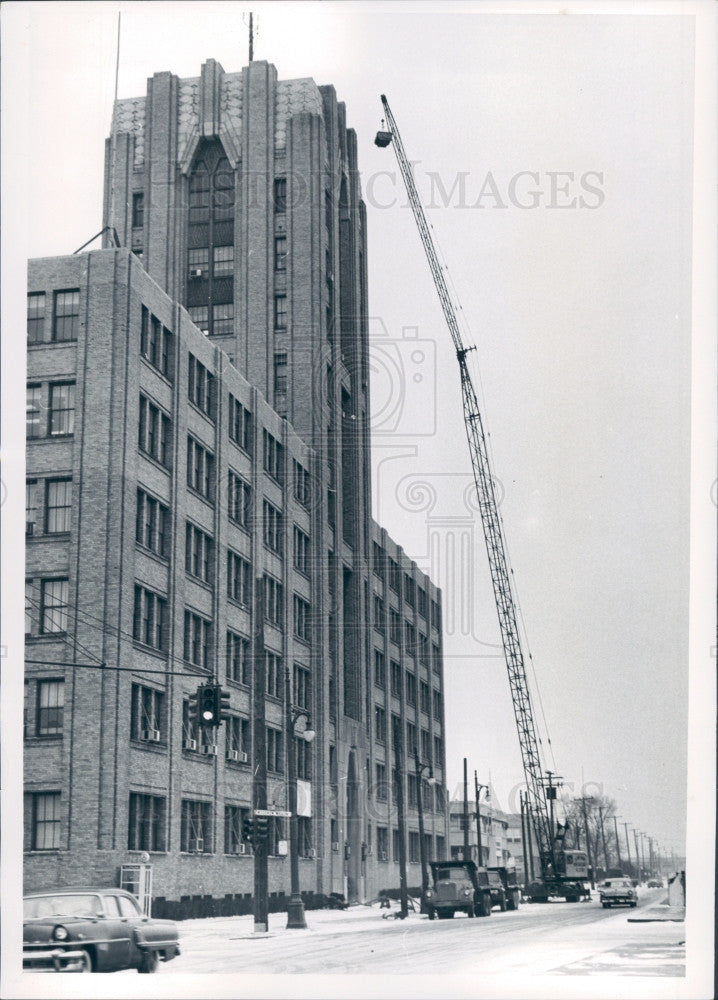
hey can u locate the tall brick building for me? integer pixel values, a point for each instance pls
(198, 497)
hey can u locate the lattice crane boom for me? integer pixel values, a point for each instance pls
(490, 519)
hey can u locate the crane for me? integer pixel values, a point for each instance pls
(561, 873)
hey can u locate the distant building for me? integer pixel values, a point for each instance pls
(198, 496)
(495, 841)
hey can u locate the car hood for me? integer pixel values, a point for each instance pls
(41, 928)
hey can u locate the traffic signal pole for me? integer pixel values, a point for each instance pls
(259, 777)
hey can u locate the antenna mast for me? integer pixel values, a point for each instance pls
(251, 36)
(117, 62)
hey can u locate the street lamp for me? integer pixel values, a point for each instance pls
(480, 849)
(420, 768)
(295, 906)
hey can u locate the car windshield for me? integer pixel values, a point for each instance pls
(452, 872)
(75, 905)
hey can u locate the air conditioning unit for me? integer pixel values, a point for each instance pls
(243, 757)
(151, 735)
(196, 846)
(311, 853)
(196, 272)
(242, 849)
(233, 755)
(383, 856)
(335, 846)
(190, 744)
(210, 750)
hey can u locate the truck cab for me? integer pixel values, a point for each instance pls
(458, 885)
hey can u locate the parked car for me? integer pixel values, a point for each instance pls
(93, 930)
(617, 890)
(655, 883)
(512, 890)
(457, 886)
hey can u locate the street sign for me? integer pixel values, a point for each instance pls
(273, 812)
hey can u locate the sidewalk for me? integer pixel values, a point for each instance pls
(660, 911)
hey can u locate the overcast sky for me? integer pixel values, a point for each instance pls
(554, 155)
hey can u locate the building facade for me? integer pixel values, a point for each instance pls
(198, 500)
(497, 841)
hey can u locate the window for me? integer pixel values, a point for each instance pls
(223, 318)
(301, 551)
(378, 614)
(149, 623)
(62, 408)
(280, 253)
(154, 432)
(238, 662)
(273, 674)
(438, 751)
(200, 469)
(196, 827)
(410, 648)
(138, 209)
(409, 590)
(30, 506)
(394, 575)
(395, 626)
(191, 731)
(379, 724)
(55, 597)
(58, 505)
(304, 834)
(422, 603)
(411, 739)
(396, 675)
(377, 564)
(382, 789)
(198, 263)
(412, 786)
(440, 848)
(29, 603)
(302, 624)
(234, 818)
(199, 194)
(273, 601)
(66, 316)
(423, 648)
(280, 194)
(200, 386)
(273, 456)
(199, 552)
(302, 686)
(33, 427)
(424, 696)
(240, 425)
(239, 499)
(302, 491)
(272, 527)
(239, 579)
(50, 707)
(223, 261)
(303, 755)
(280, 374)
(379, 669)
(280, 312)
(426, 746)
(414, 847)
(275, 756)
(275, 833)
(146, 716)
(382, 843)
(238, 738)
(435, 658)
(151, 524)
(146, 829)
(200, 317)
(223, 193)
(36, 317)
(45, 821)
(197, 640)
(437, 705)
(436, 615)
(410, 689)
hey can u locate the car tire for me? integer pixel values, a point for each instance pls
(86, 961)
(633, 903)
(149, 962)
(431, 913)
(470, 911)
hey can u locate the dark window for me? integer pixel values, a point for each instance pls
(379, 669)
(200, 386)
(146, 719)
(223, 261)
(154, 432)
(304, 828)
(200, 469)
(378, 614)
(280, 374)
(379, 724)
(280, 194)
(437, 705)
(156, 343)
(382, 843)
(238, 739)
(301, 551)
(234, 818)
(302, 490)
(280, 253)
(151, 525)
(280, 312)
(238, 660)
(302, 623)
(223, 318)
(240, 425)
(30, 506)
(138, 210)
(273, 601)
(275, 750)
(302, 686)
(29, 604)
(149, 623)
(196, 827)
(58, 505)
(50, 707)
(273, 674)
(411, 739)
(410, 689)
(273, 456)
(424, 697)
(197, 640)
(396, 675)
(409, 590)
(395, 626)
(199, 194)
(33, 427)
(46, 821)
(239, 579)
(438, 752)
(382, 789)
(199, 553)
(272, 527)
(36, 317)
(239, 499)
(66, 316)
(55, 597)
(410, 648)
(426, 746)
(62, 408)
(198, 263)
(200, 317)
(146, 830)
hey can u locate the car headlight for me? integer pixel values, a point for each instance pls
(60, 933)
(429, 892)
(467, 891)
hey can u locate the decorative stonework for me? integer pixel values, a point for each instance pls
(129, 116)
(187, 111)
(293, 96)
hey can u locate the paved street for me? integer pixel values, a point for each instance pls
(579, 939)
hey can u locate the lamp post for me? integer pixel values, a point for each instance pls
(295, 906)
(420, 768)
(477, 788)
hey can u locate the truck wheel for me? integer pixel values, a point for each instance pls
(432, 913)
(149, 962)
(502, 904)
(633, 903)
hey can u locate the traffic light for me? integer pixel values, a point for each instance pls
(209, 700)
(261, 827)
(223, 704)
(248, 830)
(194, 718)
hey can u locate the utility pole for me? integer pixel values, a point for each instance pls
(529, 821)
(467, 849)
(603, 838)
(638, 856)
(591, 865)
(259, 744)
(398, 741)
(478, 787)
(628, 844)
(618, 846)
